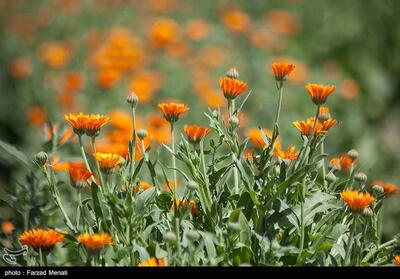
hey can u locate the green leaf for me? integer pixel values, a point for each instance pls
(13, 154)
(209, 244)
(163, 201)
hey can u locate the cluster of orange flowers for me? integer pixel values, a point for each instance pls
(87, 124)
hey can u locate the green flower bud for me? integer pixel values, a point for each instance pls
(331, 178)
(234, 227)
(193, 235)
(353, 154)
(232, 73)
(41, 158)
(142, 133)
(192, 185)
(169, 236)
(360, 177)
(132, 99)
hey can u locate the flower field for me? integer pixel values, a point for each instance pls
(199, 133)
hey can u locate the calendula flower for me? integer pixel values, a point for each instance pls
(77, 121)
(79, 176)
(169, 186)
(396, 260)
(306, 126)
(346, 162)
(196, 133)
(183, 204)
(94, 122)
(172, 111)
(39, 238)
(319, 92)
(256, 137)
(143, 185)
(388, 188)
(7, 227)
(356, 201)
(289, 154)
(282, 70)
(232, 87)
(108, 161)
(96, 241)
(335, 163)
(153, 262)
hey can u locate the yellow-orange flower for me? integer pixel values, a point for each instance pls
(388, 188)
(79, 176)
(55, 54)
(153, 262)
(172, 111)
(21, 67)
(282, 70)
(346, 162)
(324, 114)
(306, 126)
(143, 185)
(77, 121)
(256, 138)
(186, 204)
(39, 238)
(289, 154)
(396, 260)
(196, 133)
(355, 200)
(108, 161)
(94, 122)
(163, 32)
(232, 87)
(36, 115)
(95, 241)
(236, 20)
(7, 227)
(169, 186)
(319, 92)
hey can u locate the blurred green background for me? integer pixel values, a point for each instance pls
(61, 56)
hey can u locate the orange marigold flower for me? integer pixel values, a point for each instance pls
(95, 241)
(282, 70)
(108, 161)
(256, 138)
(7, 227)
(39, 238)
(21, 67)
(289, 154)
(107, 78)
(94, 122)
(232, 87)
(74, 81)
(186, 204)
(390, 189)
(36, 115)
(153, 262)
(66, 166)
(143, 185)
(396, 260)
(77, 121)
(163, 32)
(55, 54)
(79, 176)
(172, 111)
(319, 92)
(306, 126)
(335, 163)
(169, 186)
(346, 162)
(355, 200)
(197, 29)
(196, 133)
(236, 20)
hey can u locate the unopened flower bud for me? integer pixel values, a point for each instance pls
(169, 236)
(378, 189)
(360, 177)
(234, 227)
(192, 185)
(234, 121)
(331, 178)
(142, 133)
(41, 158)
(232, 73)
(132, 99)
(368, 212)
(324, 117)
(193, 235)
(353, 154)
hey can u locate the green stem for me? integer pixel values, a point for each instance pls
(379, 248)
(351, 240)
(310, 137)
(133, 146)
(174, 167)
(278, 109)
(97, 165)
(78, 208)
(302, 219)
(84, 153)
(323, 167)
(208, 198)
(178, 238)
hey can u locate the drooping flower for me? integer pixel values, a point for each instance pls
(256, 137)
(79, 176)
(40, 238)
(196, 133)
(153, 262)
(108, 161)
(282, 70)
(289, 154)
(96, 241)
(186, 204)
(356, 201)
(319, 92)
(172, 111)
